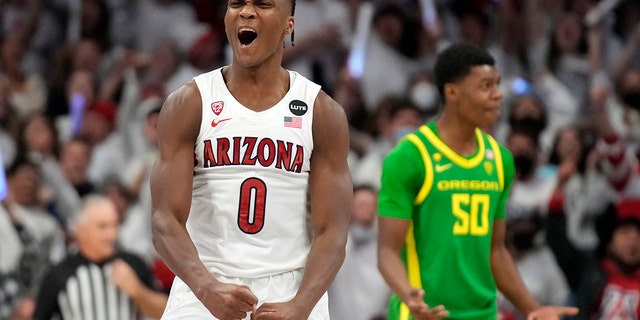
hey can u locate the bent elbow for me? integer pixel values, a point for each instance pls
(163, 225)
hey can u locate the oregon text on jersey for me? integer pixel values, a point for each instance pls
(250, 151)
(482, 185)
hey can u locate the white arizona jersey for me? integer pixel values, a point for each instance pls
(248, 210)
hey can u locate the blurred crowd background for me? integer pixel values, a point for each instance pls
(82, 82)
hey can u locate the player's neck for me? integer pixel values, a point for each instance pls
(459, 136)
(262, 73)
(257, 90)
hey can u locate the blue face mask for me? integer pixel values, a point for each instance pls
(362, 235)
(403, 132)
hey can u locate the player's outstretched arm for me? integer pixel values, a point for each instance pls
(331, 193)
(511, 285)
(171, 187)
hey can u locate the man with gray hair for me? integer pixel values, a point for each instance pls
(98, 281)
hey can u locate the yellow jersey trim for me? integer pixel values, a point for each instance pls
(498, 158)
(413, 269)
(452, 155)
(428, 168)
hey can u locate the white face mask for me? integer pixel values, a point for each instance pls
(362, 235)
(425, 96)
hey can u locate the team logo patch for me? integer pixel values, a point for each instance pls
(298, 107)
(489, 155)
(217, 106)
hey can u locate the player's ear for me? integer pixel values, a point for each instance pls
(450, 91)
(290, 25)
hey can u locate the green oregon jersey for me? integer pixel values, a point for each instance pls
(452, 202)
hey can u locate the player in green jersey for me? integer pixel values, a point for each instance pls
(442, 205)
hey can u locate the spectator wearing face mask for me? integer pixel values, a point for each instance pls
(424, 94)
(534, 260)
(526, 112)
(359, 273)
(533, 185)
(395, 117)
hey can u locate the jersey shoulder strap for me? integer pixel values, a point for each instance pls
(495, 147)
(418, 139)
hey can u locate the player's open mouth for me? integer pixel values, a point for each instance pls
(246, 36)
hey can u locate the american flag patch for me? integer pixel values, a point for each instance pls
(293, 122)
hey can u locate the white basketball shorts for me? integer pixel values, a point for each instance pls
(183, 304)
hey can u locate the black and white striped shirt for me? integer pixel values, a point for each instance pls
(77, 289)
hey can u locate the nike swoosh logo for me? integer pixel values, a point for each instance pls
(443, 167)
(215, 123)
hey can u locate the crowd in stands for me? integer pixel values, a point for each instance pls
(82, 83)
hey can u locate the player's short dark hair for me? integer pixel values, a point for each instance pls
(456, 61)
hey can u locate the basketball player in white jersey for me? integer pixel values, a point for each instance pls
(231, 223)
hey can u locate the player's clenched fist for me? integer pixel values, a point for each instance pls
(228, 301)
(281, 311)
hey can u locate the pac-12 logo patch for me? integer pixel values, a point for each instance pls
(298, 107)
(217, 106)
